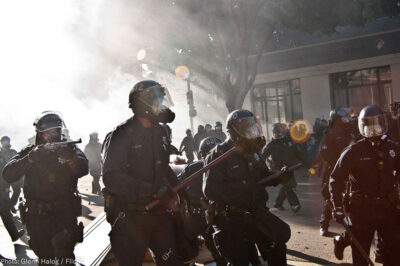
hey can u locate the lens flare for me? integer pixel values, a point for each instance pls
(141, 54)
(300, 131)
(182, 72)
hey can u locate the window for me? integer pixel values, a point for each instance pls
(277, 102)
(358, 88)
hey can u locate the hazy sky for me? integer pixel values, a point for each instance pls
(73, 56)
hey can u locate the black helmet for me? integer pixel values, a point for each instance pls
(5, 138)
(208, 127)
(244, 124)
(48, 120)
(5, 142)
(278, 130)
(340, 114)
(200, 128)
(218, 124)
(206, 145)
(188, 132)
(372, 122)
(245, 130)
(152, 100)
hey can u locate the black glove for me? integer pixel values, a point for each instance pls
(66, 153)
(339, 215)
(165, 194)
(38, 153)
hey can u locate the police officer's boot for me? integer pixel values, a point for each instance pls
(323, 231)
(340, 243)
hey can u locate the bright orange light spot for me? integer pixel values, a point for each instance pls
(300, 131)
(182, 72)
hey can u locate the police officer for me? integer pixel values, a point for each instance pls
(335, 141)
(93, 153)
(239, 199)
(187, 146)
(5, 206)
(218, 133)
(281, 152)
(52, 204)
(208, 132)
(371, 166)
(135, 172)
(7, 153)
(198, 137)
(194, 220)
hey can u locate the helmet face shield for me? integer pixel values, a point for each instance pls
(373, 126)
(157, 98)
(48, 120)
(248, 128)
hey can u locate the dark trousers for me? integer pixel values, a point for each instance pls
(287, 190)
(189, 156)
(132, 235)
(235, 233)
(8, 221)
(16, 187)
(96, 183)
(53, 236)
(195, 225)
(364, 226)
(326, 213)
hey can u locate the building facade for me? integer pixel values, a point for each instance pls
(354, 68)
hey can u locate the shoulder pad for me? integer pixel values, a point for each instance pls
(124, 125)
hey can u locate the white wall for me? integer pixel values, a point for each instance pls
(315, 97)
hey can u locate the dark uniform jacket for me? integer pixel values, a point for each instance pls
(7, 154)
(372, 171)
(281, 152)
(4, 186)
(136, 161)
(187, 144)
(50, 179)
(225, 182)
(194, 190)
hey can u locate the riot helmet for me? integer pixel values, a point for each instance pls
(341, 114)
(245, 130)
(278, 130)
(206, 145)
(151, 100)
(218, 126)
(372, 122)
(188, 132)
(48, 125)
(5, 142)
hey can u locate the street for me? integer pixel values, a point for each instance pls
(306, 246)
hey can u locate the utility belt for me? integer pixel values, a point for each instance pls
(114, 202)
(225, 210)
(44, 208)
(362, 200)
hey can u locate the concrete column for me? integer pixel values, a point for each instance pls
(315, 97)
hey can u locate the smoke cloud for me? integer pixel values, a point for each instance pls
(79, 57)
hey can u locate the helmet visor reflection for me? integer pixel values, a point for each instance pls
(248, 128)
(374, 126)
(157, 98)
